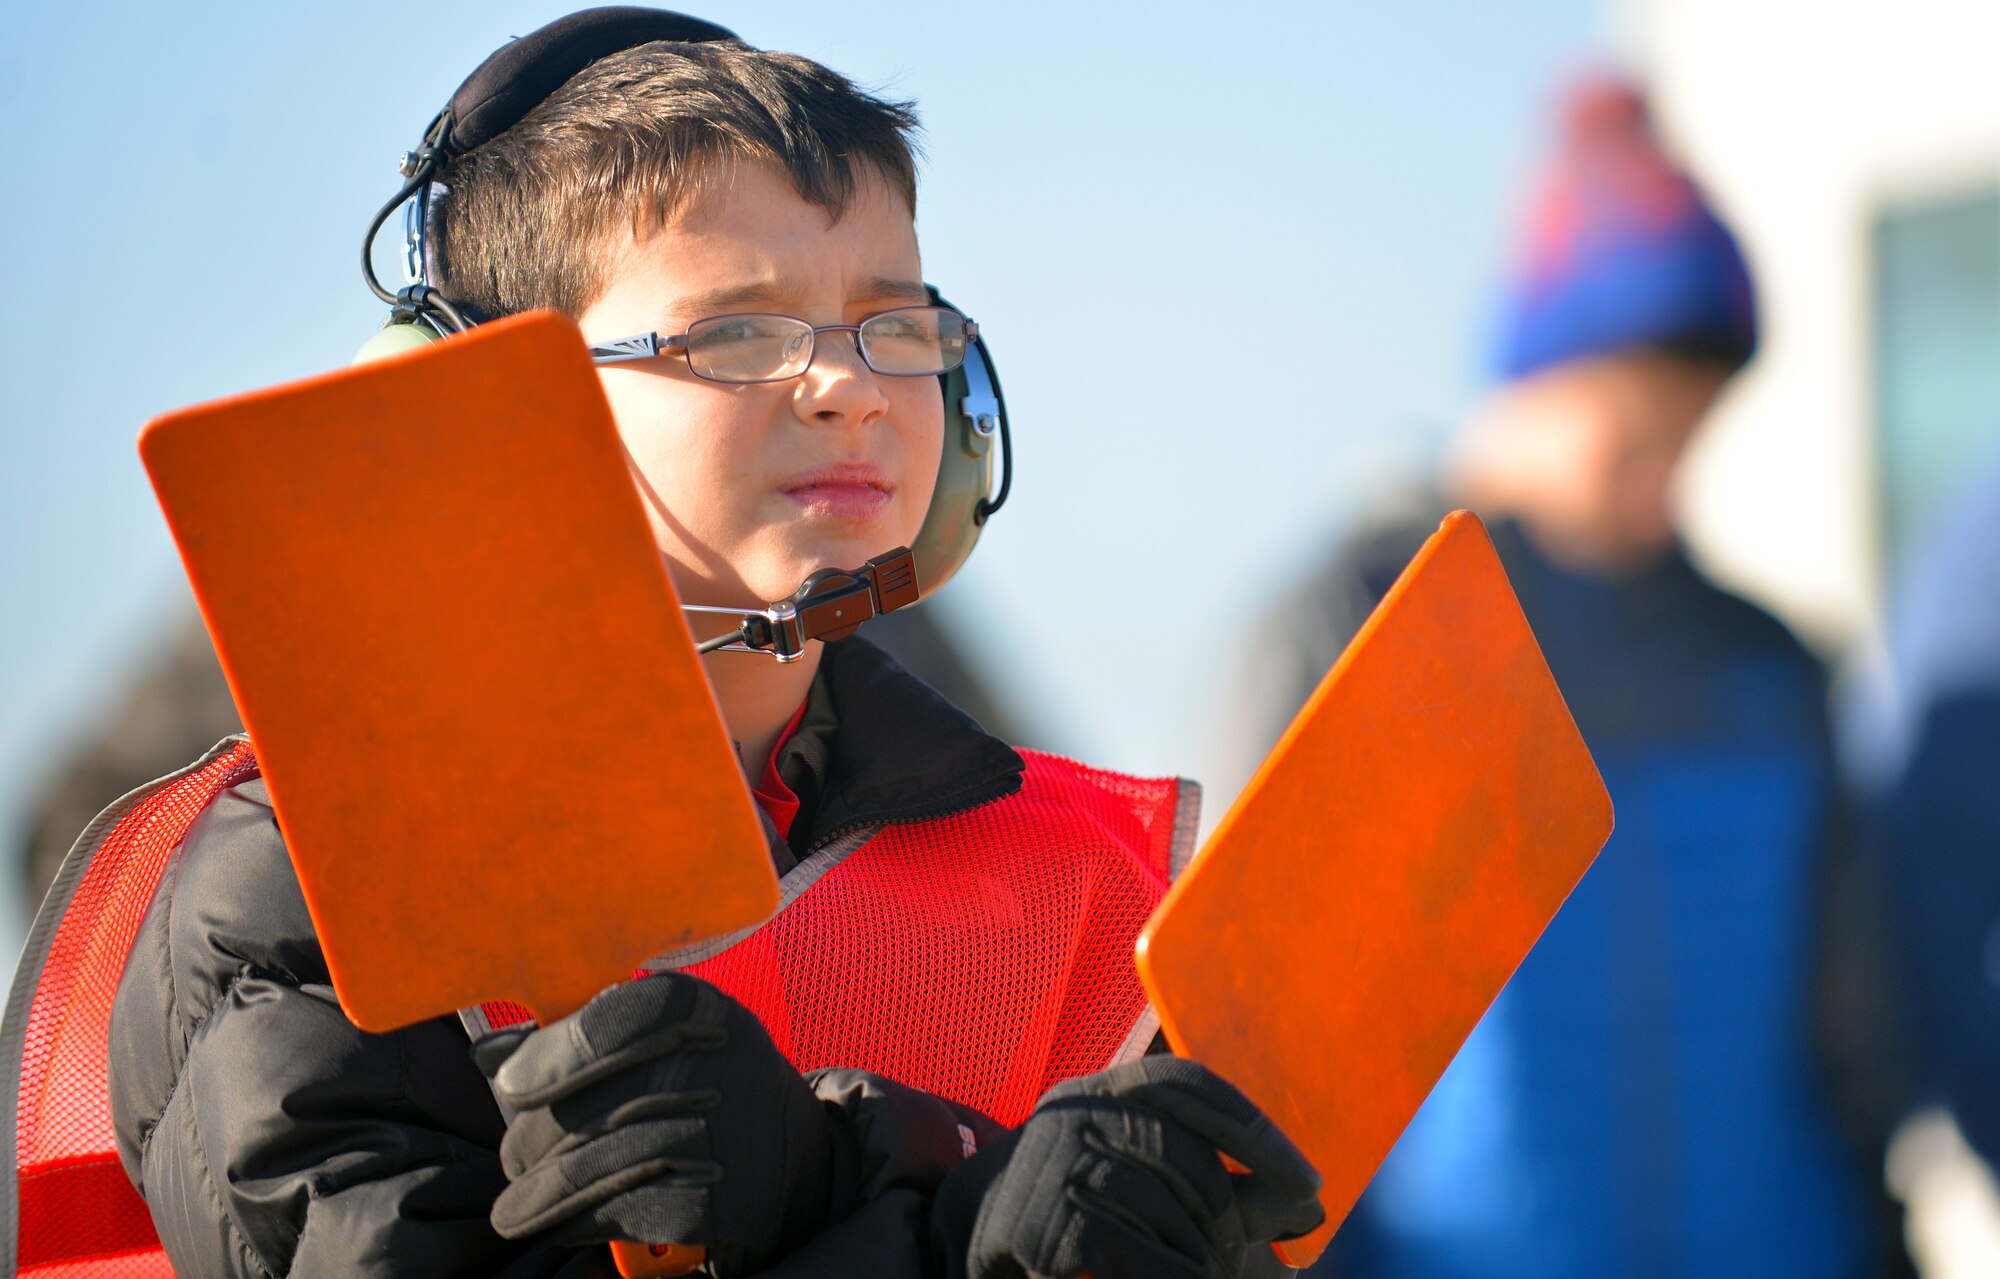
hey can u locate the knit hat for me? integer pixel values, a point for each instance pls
(1621, 251)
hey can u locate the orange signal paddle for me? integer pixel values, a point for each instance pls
(1385, 872)
(496, 762)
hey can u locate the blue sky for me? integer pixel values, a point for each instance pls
(187, 184)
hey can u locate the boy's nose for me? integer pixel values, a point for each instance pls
(838, 386)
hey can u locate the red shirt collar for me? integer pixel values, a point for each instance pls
(778, 800)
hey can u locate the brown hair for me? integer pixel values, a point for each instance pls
(631, 141)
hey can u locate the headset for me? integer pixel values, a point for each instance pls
(831, 603)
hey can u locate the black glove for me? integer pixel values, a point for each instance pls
(1117, 1175)
(903, 1138)
(661, 1112)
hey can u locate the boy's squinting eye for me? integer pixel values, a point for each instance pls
(906, 341)
(735, 328)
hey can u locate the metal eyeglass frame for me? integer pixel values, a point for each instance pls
(647, 346)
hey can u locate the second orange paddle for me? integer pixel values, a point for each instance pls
(1385, 872)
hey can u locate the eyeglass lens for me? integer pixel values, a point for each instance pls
(907, 342)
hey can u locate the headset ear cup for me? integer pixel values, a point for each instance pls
(964, 479)
(394, 338)
(965, 466)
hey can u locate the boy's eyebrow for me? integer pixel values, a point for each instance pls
(886, 288)
(721, 300)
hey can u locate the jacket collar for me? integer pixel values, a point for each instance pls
(878, 746)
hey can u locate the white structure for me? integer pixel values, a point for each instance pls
(1806, 120)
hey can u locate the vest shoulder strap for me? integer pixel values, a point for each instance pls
(63, 1194)
(1166, 811)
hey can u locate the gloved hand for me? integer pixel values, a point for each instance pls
(661, 1112)
(1117, 1175)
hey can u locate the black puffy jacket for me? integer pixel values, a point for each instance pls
(270, 1137)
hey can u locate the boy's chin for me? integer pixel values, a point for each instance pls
(845, 548)
(778, 578)
(755, 576)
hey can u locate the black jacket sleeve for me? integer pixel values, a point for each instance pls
(268, 1135)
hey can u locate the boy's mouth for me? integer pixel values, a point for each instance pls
(849, 491)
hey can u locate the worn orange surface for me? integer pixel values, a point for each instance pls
(497, 765)
(1385, 872)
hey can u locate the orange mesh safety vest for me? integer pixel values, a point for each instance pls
(983, 956)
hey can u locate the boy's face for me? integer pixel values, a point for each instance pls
(749, 488)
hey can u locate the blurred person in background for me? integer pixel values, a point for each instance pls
(1655, 1092)
(1922, 739)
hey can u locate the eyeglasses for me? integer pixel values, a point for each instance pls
(910, 341)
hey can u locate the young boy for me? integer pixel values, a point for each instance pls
(759, 208)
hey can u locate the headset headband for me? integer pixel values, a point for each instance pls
(522, 73)
(512, 81)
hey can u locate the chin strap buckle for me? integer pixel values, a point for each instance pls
(829, 605)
